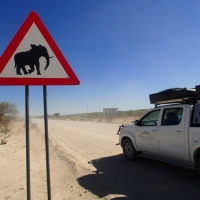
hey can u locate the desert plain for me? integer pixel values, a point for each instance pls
(85, 163)
(74, 146)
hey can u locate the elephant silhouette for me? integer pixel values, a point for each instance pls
(31, 58)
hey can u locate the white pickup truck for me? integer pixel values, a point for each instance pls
(169, 133)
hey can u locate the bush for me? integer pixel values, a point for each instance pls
(7, 112)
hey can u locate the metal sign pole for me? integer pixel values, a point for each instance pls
(47, 143)
(27, 144)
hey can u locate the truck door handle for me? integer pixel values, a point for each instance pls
(179, 132)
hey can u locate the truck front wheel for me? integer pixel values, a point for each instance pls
(129, 150)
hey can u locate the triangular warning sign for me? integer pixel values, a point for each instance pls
(33, 58)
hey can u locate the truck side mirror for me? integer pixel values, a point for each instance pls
(136, 122)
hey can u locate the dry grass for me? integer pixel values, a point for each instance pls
(120, 116)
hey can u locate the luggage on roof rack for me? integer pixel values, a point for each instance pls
(174, 95)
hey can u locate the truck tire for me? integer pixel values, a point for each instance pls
(129, 150)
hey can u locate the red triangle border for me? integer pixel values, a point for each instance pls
(34, 18)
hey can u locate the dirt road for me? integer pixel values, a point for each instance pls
(84, 143)
(93, 146)
(86, 164)
(84, 140)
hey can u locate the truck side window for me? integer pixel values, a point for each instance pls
(150, 119)
(171, 116)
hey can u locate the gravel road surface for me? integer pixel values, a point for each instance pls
(93, 147)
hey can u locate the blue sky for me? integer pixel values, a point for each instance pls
(121, 51)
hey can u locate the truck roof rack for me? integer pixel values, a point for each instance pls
(176, 101)
(174, 95)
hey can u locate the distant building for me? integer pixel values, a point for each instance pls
(56, 114)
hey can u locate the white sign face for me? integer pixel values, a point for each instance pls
(110, 111)
(33, 60)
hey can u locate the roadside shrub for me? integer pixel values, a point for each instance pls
(7, 112)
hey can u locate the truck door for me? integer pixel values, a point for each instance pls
(146, 132)
(171, 132)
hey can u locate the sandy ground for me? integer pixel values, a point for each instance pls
(85, 164)
(68, 165)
